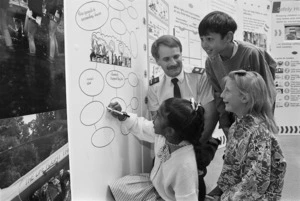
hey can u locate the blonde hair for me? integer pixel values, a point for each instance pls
(252, 84)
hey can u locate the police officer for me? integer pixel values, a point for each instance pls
(179, 82)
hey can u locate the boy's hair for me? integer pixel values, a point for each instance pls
(217, 22)
(167, 40)
(252, 84)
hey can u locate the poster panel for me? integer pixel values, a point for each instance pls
(106, 56)
(285, 49)
(256, 22)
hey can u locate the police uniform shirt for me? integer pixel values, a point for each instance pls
(192, 84)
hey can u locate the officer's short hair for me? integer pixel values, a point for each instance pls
(167, 40)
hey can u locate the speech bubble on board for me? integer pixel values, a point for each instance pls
(103, 137)
(91, 82)
(91, 15)
(92, 113)
(115, 79)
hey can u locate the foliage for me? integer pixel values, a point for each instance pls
(23, 146)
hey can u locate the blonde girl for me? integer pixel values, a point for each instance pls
(254, 166)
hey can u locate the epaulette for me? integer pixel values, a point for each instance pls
(153, 81)
(198, 70)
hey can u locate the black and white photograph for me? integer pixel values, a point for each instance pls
(292, 32)
(149, 100)
(33, 118)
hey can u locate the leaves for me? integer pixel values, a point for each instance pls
(23, 146)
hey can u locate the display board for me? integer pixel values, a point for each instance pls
(105, 58)
(285, 50)
(255, 25)
(109, 59)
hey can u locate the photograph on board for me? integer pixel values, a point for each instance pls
(34, 157)
(34, 150)
(32, 59)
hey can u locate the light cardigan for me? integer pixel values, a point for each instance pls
(175, 179)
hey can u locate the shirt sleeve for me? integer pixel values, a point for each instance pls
(260, 64)
(205, 91)
(271, 62)
(140, 127)
(256, 170)
(153, 103)
(224, 117)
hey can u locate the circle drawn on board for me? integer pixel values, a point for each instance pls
(120, 101)
(103, 137)
(132, 12)
(118, 26)
(117, 5)
(286, 104)
(115, 79)
(134, 103)
(92, 113)
(90, 21)
(124, 130)
(91, 82)
(133, 79)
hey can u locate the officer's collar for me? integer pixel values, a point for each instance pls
(180, 77)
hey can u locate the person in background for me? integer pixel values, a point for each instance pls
(4, 4)
(175, 132)
(225, 54)
(254, 166)
(33, 21)
(54, 11)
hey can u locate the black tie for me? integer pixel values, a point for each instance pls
(176, 88)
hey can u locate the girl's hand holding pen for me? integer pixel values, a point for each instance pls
(115, 110)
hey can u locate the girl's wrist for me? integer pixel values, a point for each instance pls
(122, 117)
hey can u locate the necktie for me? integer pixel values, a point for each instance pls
(176, 88)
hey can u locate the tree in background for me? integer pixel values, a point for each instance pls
(14, 164)
(23, 146)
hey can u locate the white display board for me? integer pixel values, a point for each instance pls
(108, 58)
(256, 22)
(285, 49)
(105, 54)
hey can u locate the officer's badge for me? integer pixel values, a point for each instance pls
(153, 80)
(198, 70)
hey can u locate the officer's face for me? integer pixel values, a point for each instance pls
(170, 60)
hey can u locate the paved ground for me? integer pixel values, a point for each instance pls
(290, 146)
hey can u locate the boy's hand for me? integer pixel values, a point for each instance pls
(214, 195)
(214, 198)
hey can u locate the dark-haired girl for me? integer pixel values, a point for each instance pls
(175, 133)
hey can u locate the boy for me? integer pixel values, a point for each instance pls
(216, 31)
